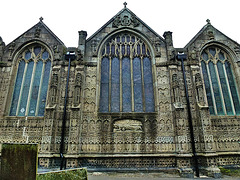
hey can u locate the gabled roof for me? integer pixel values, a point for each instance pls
(204, 28)
(42, 25)
(120, 12)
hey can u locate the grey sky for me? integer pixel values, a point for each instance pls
(65, 18)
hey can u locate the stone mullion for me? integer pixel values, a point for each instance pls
(229, 90)
(40, 87)
(120, 83)
(30, 88)
(211, 88)
(132, 89)
(143, 90)
(220, 88)
(20, 94)
(110, 83)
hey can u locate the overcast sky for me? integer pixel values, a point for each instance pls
(65, 18)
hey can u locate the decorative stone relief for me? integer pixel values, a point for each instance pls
(127, 125)
(199, 88)
(125, 19)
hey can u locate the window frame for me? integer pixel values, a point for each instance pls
(153, 70)
(229, 57)
(17, 58)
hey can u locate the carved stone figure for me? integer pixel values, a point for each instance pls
(2, 47)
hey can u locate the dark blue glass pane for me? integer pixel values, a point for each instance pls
(221, 56)
(45, 55)
(37, 50)
(113, 50)
(126, 85)
(25, 91)
(123, 50)
(212, 51)
(205, 56)
(105, 70)
(115, 88)
(103, 107)
(148, 85)
(28, 55)
(232, 87)
(35, 89)
(215, 86)
(207, 88)
(44, 88)
(143, 49)
(225, 90)
(128, 50)
(17, 88)
(137, 80)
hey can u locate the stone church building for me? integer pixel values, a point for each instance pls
(123, 99)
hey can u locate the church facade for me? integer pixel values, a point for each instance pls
(125, 101)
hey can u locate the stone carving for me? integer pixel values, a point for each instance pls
(127, 126)
(2, 47)
(199, 88)
(94, 47)
(125, 19)
(176, 92)
(57, 54)
(53, 90)
(37, 32)
(77, 90)
(157, 45)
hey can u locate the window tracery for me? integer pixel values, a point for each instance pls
(126, 75)
(31, 84)
(221, 90)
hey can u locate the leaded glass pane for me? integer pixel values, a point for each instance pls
(45, 55)
(148, 85)
(221, 56)
(17, 88)
(37, 50)
(44, 88)
(35, 89)
(25, 90)
(207, 88)
(115, 89)
(225, 91)
(137, 81)
(212, 51)
(232, 87)
(216, 90)
(205, 56)
(28, 55)
(126, 85)
(104, 95)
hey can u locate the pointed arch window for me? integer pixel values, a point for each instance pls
(126, 76)
(220, 86)
(31, 84)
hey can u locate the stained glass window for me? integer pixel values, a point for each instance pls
(126, 76)
(221, 90)
(30, 89)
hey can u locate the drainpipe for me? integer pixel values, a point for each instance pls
(69, 56)
(182, 57)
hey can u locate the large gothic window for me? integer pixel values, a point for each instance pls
(220, 86)
(126, 76)
(31, 84)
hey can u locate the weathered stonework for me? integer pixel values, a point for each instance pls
(121, 140)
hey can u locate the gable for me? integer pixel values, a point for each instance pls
(210, 34)
(125, 20)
